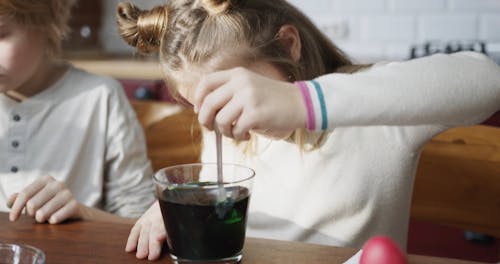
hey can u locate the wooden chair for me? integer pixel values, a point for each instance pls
(173, 135)
(458, 180)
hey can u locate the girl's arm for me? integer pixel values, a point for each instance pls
(440, 90)
(449, 90)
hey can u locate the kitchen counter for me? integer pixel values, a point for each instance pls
(121, 68)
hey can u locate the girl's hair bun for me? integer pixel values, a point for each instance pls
(142, 29)
(216, 7)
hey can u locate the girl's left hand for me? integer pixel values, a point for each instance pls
(148, 234)
(238, 101)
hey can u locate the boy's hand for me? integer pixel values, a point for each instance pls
(46, 199)
(148, 234)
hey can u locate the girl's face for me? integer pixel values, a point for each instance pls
(22, 52)
(187, 80)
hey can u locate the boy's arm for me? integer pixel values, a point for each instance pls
(93, 214)
(128, 184)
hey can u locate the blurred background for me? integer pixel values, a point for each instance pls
(368, 30)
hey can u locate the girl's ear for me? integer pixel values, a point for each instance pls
(290, 38)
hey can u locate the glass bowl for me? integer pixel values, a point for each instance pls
(20, 254)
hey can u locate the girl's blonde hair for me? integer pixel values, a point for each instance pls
(191, 32)
(49, 16)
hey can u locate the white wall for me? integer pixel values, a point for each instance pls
(375, 29)
(387, 28)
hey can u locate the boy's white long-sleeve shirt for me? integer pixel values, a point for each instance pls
(83, 132)
(359, 182)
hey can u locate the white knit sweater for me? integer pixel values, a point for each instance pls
(359, 182)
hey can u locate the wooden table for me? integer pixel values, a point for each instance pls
(95, 242)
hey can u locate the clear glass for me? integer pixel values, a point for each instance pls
(20, 254)
(205, 221)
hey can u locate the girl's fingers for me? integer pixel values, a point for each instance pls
(133, 238)
(154, 249)
(143, 242)
(24, 196)
(212, 104)
(241, 129)
(52, 206)
(156, 238)
(208, 84)
(227, 117)
(67, 211)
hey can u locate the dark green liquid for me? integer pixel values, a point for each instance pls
(199, 228)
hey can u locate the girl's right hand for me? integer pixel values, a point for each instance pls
(148, 234)
(239, 100)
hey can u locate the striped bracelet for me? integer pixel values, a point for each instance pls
(310, 120)
(317, 119)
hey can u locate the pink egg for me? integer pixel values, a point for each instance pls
(382, 250)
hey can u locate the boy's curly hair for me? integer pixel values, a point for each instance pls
(49, 16)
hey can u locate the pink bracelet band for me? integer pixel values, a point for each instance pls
(310, 122)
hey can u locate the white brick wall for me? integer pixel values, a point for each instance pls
(370, 30)
(475, 5)
(490, 27)
(365, 6)
(416, 5)
(319, 7)
(447, 27)
(384, 28)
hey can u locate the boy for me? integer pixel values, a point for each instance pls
(69, 140)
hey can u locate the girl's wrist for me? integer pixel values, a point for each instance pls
(301, 109)
(309, 110)
(313, 98)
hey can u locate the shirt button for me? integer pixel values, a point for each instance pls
(16, 118)
(15, 143)
(14, 169)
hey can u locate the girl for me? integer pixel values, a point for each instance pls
(335, 157)
(70, 142)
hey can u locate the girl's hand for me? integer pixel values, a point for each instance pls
(239, 100)
(46, 199)
(148, 234)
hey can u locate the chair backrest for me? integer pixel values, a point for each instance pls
(458, 180)
(173, 135)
